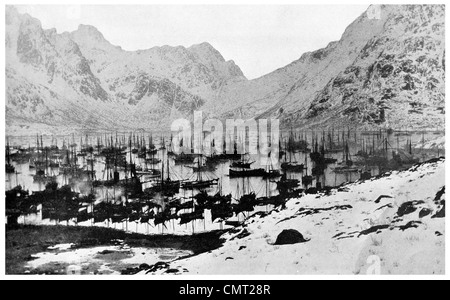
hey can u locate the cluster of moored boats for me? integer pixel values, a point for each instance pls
(142, 170)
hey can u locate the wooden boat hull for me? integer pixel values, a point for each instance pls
(198, 184)
(247, 173)
(292, 167)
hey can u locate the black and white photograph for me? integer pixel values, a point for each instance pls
(190, 139)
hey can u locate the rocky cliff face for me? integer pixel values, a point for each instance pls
(398, 77)
(79, 80)
(198, 70)
(387, 70)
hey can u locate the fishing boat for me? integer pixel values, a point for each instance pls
(297, 146)
(294, 167)
(345, 169)
(306, 179)
(204, 168)
(347, 163)
(330, 160)
(260, 172)
(246, 173)
(201, 165)
(332, 146)
(243, 163)
(365, 175)
(31, 164)
(215, 158)
(149, 172)
(9, 167)
(42, 177)
(403, 133)
(153, 161)
(285, 184)
(271, 174)
(290, 165)
(165, 185)
(184, 158)
(53, 164)
(337, 149)
(199, 183)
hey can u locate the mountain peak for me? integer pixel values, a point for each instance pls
(89, 37)
(12, 16)
(204, 45)
(89, 31)
(387, 68)
(207, 49)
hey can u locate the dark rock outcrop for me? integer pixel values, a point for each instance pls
(290, 236)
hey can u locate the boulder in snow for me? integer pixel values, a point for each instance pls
(408, 207)
(290, 236)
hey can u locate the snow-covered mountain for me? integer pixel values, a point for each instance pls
(199, 69)
(78, 80)
(387, 70)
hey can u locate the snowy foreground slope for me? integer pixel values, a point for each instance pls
(350, 231)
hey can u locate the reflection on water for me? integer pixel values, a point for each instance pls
(346, 148)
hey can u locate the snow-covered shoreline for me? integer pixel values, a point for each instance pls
(393, 224)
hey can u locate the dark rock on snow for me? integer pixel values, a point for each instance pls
(440, 213)
(290, 236)
(424, 212)
(408, 207)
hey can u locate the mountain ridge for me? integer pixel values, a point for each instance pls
(386, 70)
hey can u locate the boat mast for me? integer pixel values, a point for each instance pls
(168, 170)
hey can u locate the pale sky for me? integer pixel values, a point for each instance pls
(259, 38)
